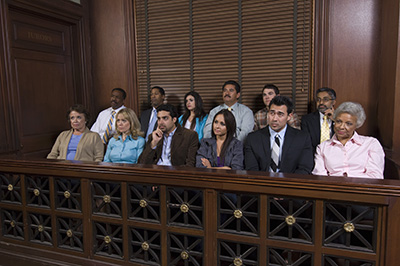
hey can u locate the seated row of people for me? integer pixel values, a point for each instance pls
(275, 148)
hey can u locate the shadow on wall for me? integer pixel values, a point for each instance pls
(392, 167)
(256, 103)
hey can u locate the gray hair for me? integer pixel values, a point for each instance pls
(354, 109)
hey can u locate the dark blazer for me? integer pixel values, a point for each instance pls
(311, 124)
(145, 120)
(184, 146)
(233, 155)
(297, 155)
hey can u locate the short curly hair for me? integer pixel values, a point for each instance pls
(354, 109)
(79, 108)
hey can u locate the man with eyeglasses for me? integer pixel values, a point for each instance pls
(279, 147)
(319, 124)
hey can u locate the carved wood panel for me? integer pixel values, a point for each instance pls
(43, 79)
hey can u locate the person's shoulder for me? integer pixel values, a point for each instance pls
(186, 131)
(235, 142)
(140, 139)
(146, 111)
(309, 116)
(258, 133)
(368, 139)
(107, 110)
(66, 132)
(263, 110)
(207, 140)
(296, 132)
(217, 108)
(204, 118)
(112, 141)
(245, 107)
(91, 133)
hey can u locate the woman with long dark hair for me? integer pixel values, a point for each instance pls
(194, 117)
(222, 150)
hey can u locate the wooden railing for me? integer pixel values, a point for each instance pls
(75, 213)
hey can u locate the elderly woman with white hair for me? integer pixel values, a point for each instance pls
(347, 153)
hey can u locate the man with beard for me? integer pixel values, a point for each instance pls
(105, 122)
(148, 118)
(319, 124)
(170, 144)
(243, 115)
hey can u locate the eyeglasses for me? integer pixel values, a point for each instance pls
(324, 100)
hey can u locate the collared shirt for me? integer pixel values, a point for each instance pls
(100, 126)
(128, 151)
(151, 125)
(153, 113)
(243, 116)
(281, 136)
(361, 156)
(165, 158)
(261, 120)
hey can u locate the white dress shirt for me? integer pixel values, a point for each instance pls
(100, 126)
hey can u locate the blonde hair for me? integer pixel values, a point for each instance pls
(134, 123)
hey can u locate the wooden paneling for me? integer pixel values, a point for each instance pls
(43, 79)
(56, 211)
(7, 140)
(43, 71)
(389, 87)
(43, 95)
(112, 50)
(348, 62)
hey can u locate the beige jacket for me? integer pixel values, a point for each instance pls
(90, 147)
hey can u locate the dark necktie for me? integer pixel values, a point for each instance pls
(275, 154)
(107, 134)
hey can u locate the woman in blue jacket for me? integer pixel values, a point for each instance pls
(194, 117)
(128, 143)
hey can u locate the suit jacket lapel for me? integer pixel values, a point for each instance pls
(266, 145)
(146, 120)
(176, 138)
(286, 143)
(317, 123)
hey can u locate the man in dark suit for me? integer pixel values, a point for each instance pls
(314, 123)
(170, 144)
(148, 118)
(278, 147)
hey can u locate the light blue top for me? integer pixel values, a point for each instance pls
(128, 151)
(199, 125)
(243, 116)
(73, 144)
